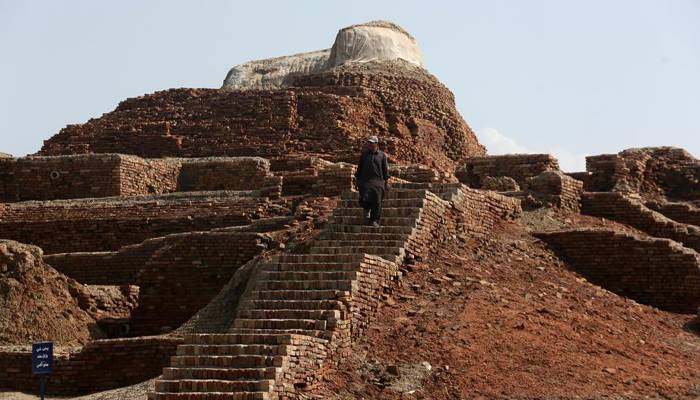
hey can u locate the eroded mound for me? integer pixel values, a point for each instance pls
(328, 114)
(503, 318)
(37, 302)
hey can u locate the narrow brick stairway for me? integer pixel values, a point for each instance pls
(301, 312)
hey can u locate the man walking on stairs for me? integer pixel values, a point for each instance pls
(372, 177)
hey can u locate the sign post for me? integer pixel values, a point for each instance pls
(42, 363)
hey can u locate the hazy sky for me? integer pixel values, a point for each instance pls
(570, 77)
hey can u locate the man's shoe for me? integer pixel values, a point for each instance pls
(368, 214)
(375, 224)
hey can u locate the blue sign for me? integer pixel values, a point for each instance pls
(42, 358)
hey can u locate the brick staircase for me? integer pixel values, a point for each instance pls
(301, 312)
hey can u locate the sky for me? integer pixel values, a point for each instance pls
(572, 78)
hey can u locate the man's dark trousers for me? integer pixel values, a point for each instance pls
(371, 175)
(371, 197)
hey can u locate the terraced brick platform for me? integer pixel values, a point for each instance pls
(302, 311)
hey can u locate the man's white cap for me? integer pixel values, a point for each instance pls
(373, 139)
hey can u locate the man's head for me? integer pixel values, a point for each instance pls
(373, 143)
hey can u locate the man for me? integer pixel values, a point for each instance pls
(372, 177)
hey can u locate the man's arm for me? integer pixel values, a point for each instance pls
(385, 171)
(358, 170)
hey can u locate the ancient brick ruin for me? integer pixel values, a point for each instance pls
(212, 238)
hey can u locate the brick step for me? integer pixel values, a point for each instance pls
(358, 243)
(229, 349)
(335, 227)
(291, 305)
(362, 221)
(237, 338)
(284, 324)
(317, 334)
(242, 361)
(289, 314)
(212, 385)
(229, 374)
(391, 194)
(342, 285)
(349, 236)
(210, 396)
(298, 294)
(311, 267)
(386, 212)
(380, 251)
(321, 258)
(387, 203)
(308, 275)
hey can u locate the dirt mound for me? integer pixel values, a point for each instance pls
(504, 318)
(328, 114)
(37, 302)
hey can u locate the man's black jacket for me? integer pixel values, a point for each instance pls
(372, 169)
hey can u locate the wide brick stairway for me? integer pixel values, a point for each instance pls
(301, 312)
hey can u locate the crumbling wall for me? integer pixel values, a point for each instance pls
(223, 173)
(657, 272)
(520, 167)
(479, 211)
(556, 189)
(138, 176)
(66, 226)
(328, 114)
(80, 176)
(657, 173)
(621, 208)
(685, 213)
(185, 273)
(99, 365)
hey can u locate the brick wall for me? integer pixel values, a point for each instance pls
(655, 172)
(83, 176)
(139, 176)
(554, 188)
(652, 271)
(517, 166)
(621, 208)
(43, 178)
(184, 274)
(479, 211)
(414, 173)
(328, 114)
(65, 226)
(682, 212)
(99, 365)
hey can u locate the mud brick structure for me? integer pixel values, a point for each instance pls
(474, 170)
(185, 274)
(225, 223)
(556, 189)
(658, 272)
(79, 176)
(334, 179)
(685, 213)
(658, 173)
(110, 223)
(629, 211)
(500, 184)
(325, 298)
(126, 265)
(414, 173)
(227, 173)
(329, 114)
(85, 370)
(478, 212)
